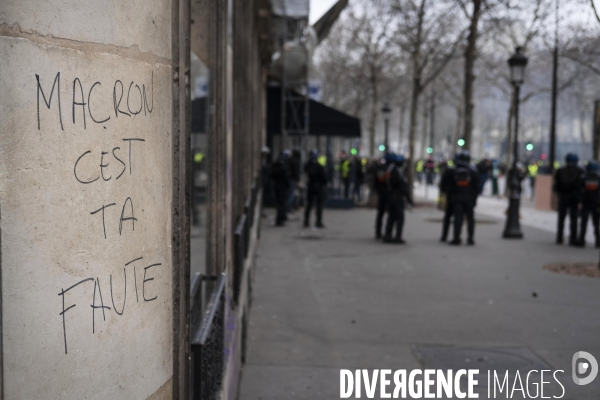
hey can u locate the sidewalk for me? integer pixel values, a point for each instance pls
(336, 298)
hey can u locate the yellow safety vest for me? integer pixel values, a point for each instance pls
(533, 169)
(322, 160)
(419, 167)
(345, 168)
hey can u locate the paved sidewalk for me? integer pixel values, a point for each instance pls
(336, 298)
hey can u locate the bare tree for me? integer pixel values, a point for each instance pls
(427, 32)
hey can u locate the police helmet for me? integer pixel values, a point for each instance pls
(463, 156)
(390, 157)
(399, 159)
(572, 158)
(313, 155)
(592, 166)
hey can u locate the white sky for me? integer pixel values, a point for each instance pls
(318, 8)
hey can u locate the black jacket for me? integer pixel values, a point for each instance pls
(317, 178)
(461, 183)
(397, 183)
(568, 180)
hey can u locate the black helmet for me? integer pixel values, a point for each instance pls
(313, 155)
(571, 158)
(464, 156)
(592, 166)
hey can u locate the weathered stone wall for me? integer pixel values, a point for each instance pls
(85, 199)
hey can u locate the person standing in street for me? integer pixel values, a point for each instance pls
(429, 168)
(532, 170)
(315, 194)
(345, 174)
(358, 178)
(568, 181)
(293, 162)
(381, 188)
(445, 188)
(280, 179)
(590, 202)
(398, 196)
(483, 169)
(464, 189)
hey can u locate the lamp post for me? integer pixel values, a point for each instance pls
(512, 229)
(386, 111)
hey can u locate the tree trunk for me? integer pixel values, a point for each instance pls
(509, 135)
(401, 130)
(373, 114)
(414, 108)
(470, 55)
(459, 115)
(581, 129)
(425, 128)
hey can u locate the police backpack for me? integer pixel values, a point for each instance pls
(462, 177)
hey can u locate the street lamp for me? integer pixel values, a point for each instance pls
(386, 111)
(512, 229)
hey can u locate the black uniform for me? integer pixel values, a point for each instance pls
(317, 183)
(568, 181)
(397, 193)
(280, 179)
(445, 187)
(381, 187)
(590, 201)
(464, 188)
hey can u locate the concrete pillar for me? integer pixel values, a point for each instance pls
(86, 126)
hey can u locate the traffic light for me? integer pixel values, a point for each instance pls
(381, 147)
(353, 151)
(429, 150)
(529, 146)
(461, 142)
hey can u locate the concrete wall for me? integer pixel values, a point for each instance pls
(85, 199)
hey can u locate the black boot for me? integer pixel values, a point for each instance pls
(455, 242)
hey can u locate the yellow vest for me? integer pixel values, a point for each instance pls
(533, 169)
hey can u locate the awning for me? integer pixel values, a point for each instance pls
(324, 120)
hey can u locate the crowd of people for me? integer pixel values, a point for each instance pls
(460, 184)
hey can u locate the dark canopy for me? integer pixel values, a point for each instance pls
(324, 121)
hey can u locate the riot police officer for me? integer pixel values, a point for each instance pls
(445, 187)
(567, 184)
(464, 189)
(381, 187)
(315, 194)
(590, 202)
(280, 179)
(398, 193)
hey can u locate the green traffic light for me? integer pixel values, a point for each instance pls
(529, 146)
(381, 147)
(429, 150)
(353, 151)
(461, 142)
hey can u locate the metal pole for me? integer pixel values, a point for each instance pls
(432, 121)
(387, 125)
(512, 230)
(554, 95)
(516, 140)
